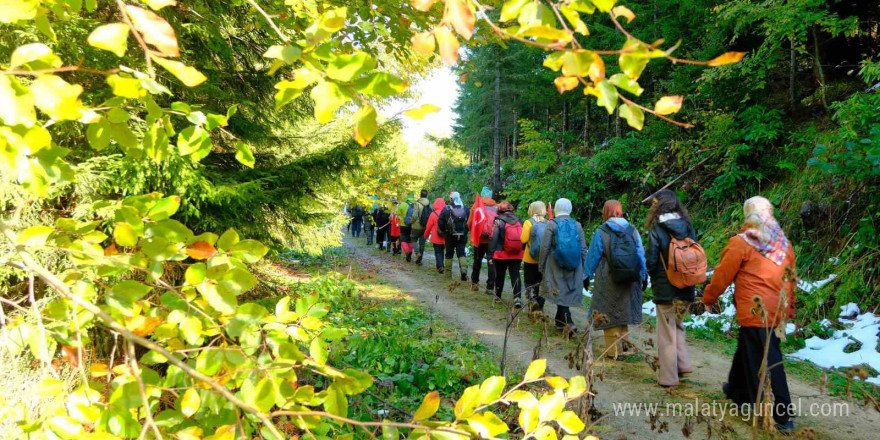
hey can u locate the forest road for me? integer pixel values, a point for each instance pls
(630, 383)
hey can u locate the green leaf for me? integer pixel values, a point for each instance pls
(35, 235)
(164, 208)
(577, 387)
(512, 8)
(634, 116)
(283, 55)
(194, 141)
(421, 112)
(345, 68)
(328, 97)
(336, 403)
(34, 56)
(227, 240)
(249, 251)
(626, 83)
(573, 17)
(16, 102)
(380, 84)
(604, 5)
(634, 59)
(191, 330)
(264, 395)
(189, 76)
(429, 406)
(238, 281)
(577, 63)
(57, 98)
(111, 37)
(570, 422)
(124, 235)
(190, 402)
(390, 432)
(218, 297)
(366, 126)
(244, 155)
(318, 351)
(123, 295)
(536, 369)
(195, 273)
(606, 95)
(487, 424)
(159, 4)
(491, 389)
(535, 13)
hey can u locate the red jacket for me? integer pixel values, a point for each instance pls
(496, 246)
(754, 276)
(395, 225)
(432, 229)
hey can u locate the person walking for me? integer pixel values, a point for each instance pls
(483, 215)
(370, 226)
(669, 223)
(404, 211)
(418, 222)
(357, 220)
(394, 232)
(506, 252)
(760, 262)
(561, 262)
(432, 231)
(383, 224)
(533, 227)
(617, 260)
(453, 224)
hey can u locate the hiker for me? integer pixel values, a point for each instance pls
(533, 227)
(383, 224)
(370, 226)
(453, 225)
(419, 215)
(671, 234)
(760, 262)
(357, 220)
(506, 252)
(481, 224)
(617, 260)
(561, 262)
(403, 214)
(432, 230)
(394, 231)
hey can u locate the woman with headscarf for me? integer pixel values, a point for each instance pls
(667, 219)
(453, 226)
(537, 222)
(506, 252)
(433, 233)
(760, 262)
(482, 251)
(616, 260)
(563, 281)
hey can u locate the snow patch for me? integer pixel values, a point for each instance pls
(810, 286)
(828, 353)
(849, 311)
(587, 293)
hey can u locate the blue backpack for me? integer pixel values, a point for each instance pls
(535, 237)
(568, 245)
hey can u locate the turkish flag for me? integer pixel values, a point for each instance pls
(549, 211)
(476, 226)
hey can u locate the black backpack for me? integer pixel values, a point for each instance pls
(456, 224)
(620, 251)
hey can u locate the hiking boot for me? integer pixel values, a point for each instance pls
(408, 258)
(489, 291)
(496, 300)
(517, 303)
(440, 270)
(464, 277)
(419, 260)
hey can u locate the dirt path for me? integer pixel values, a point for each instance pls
(623, 382)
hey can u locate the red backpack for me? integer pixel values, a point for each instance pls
(513, 238)
(488, 224)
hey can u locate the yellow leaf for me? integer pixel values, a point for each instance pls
(188, 75)
(423, 5)
(190, 402)
(154, 30)
(597, 69)
(428, 407)
(448, 45)
(99, 370)
(727, 58)
(111, 37)
(623, 11)
(421, 112)
(366, 126)
(557, 382)
(668, 105)
(528, 419)
(423, 43)
(159, 4)
(565, 83)
(536, 369)
(461, 17)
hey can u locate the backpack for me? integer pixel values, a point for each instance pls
(568, 245)
(535, 237)
(420, 215)
(687, 262)
(407, 218)
(488, 224)
(623, 259)
(456, 224)
(513, 238)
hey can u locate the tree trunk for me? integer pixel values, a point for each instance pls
(791, 72)
(617, 131)
(497, 131)
(565, 116)
(547, 119)
(587, 123)
(515, 132)
(819, 71)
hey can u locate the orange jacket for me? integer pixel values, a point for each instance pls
(754, 275)
(432, 229)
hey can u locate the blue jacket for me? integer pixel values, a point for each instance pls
(597, 251)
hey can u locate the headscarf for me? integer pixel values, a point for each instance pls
(410, 197)
(562, 207)
(504, 207)
(538, 210)
(486, 192)
(762, 231)
(456, 199)
(612, 208)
